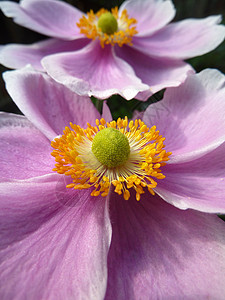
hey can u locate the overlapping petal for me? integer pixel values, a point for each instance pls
(151, 15)
(54, 241)
(48, 105)
(17, 56)
(157, 73)
(161, 252)
(197, 184)
(49, 17)
(191, 117)
(184, 39)
(94, 71)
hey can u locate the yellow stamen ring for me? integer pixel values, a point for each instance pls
(108, 27)
(74, 157)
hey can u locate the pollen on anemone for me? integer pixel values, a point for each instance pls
(131, 51)
(58, 242)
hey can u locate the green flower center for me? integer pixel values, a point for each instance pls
(107, 23)
(111, 147)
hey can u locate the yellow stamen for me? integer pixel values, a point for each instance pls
(115, 29)
(74, 157)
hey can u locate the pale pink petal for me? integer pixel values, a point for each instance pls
(151, 15)
(198, 184)
(18, 56)
(54, 241)
(49, 105)
(161, 252)
(137, 115)
(183, 39)
(106, 113)
(191, 117)
(49, 17)
(94, 71)
(158, 73)
(19, 141)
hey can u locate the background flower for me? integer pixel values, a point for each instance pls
(57, 242)
(153, 62)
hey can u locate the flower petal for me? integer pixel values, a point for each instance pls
(94, 71)
(157, 73)
(151, 15)
(183, 39)
(49, 17)
(48, 105)
(198, 184)
(106, 113)
(54, 241)
(19, 141)
(191, 116)
(18, 56)
(161, 252)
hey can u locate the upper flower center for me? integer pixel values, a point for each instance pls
(108, 27)
(111, 147)
(108, 24)
(111, 154)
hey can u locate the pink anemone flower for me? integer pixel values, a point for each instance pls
(131, 51)
(63, 238)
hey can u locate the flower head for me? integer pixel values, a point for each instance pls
(131, 51)
(63, 243)
(114, 153)
(109, 28)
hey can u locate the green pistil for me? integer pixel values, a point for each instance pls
(108, 23)
(111, 147)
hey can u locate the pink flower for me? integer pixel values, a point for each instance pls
(146, 56)
(61, 243)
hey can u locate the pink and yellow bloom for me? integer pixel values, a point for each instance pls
(64, 243)
(133, 51)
